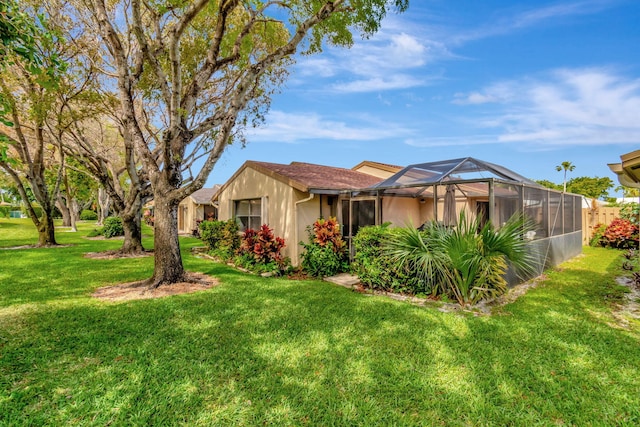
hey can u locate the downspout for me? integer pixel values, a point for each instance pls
(492, 208)
(295, 216)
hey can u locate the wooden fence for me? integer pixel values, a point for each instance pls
(591, 218)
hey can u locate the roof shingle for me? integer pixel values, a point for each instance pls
(205, 195)
(312, 176)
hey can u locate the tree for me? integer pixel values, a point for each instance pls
(97, 144)
(18, 32)
(594, 188)
(548, 184)
(203, 71)
(29, 155)
(77, 192)
(31, 68)
(628, 191)
(565, 166)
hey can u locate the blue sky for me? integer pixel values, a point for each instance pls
(525, 84)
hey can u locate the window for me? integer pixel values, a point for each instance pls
(249, 214)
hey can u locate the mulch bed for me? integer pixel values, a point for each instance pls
(194, 282)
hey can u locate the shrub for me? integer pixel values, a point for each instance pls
(598, 234)
(620, 234)
(376, 269)
(112, 227)
(321, 261)
(5, 211)
(326, 252)
(211, 233)
(631, 212)
(88, 215)
(95, 232)
(261, 251)
(36, 209)
(467, 263)
(221, 237)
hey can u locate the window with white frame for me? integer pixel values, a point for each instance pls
(248, 213)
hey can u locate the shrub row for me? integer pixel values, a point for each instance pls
(256, 250)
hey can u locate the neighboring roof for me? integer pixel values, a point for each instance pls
(204, 196)
(383, 166)
(444, 171)
(629, 170)
(310, 177)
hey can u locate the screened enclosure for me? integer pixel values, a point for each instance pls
(440, 191)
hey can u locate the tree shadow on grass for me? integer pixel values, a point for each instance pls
(256, 351)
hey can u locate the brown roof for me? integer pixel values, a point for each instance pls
(383, 166)
(204, 196)
(307, 176)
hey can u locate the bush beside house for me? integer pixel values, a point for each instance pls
(255, 250)
(376, 269)
(325, 251)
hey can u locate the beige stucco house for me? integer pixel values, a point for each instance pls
(195, 208)
(289, 198)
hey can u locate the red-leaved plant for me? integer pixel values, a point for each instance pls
(328, 231)
(621, 234)
(262, 245)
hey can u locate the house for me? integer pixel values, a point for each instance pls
(289, 198)
(195, 208)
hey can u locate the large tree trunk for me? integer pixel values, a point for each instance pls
(168, 266)
(103, 203)
(131, 223)
(132, 236)
(46, 230)
(74, 214)
(64, 210)
(44, 225)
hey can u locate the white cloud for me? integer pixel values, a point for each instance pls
(387, 61)
(316, 67)
(450, 141)
(568, 107)
(512, 22)
(473, 98)
(375, 84)
(397, 56)
(294, 127)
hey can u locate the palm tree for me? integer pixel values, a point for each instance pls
(467, 262)
(565, 166)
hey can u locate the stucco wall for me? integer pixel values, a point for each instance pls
(402, 211)
(187, 209)
(190, 212)
(278, 208)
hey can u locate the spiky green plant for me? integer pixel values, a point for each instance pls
(423, 252)
(467, 262)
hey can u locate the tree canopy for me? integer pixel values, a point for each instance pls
(595, 188)
(189, 77)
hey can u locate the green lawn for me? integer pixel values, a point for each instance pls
(255, 351)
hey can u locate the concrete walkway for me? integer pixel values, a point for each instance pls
(343, 279)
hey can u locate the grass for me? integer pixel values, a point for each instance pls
(271, 351)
